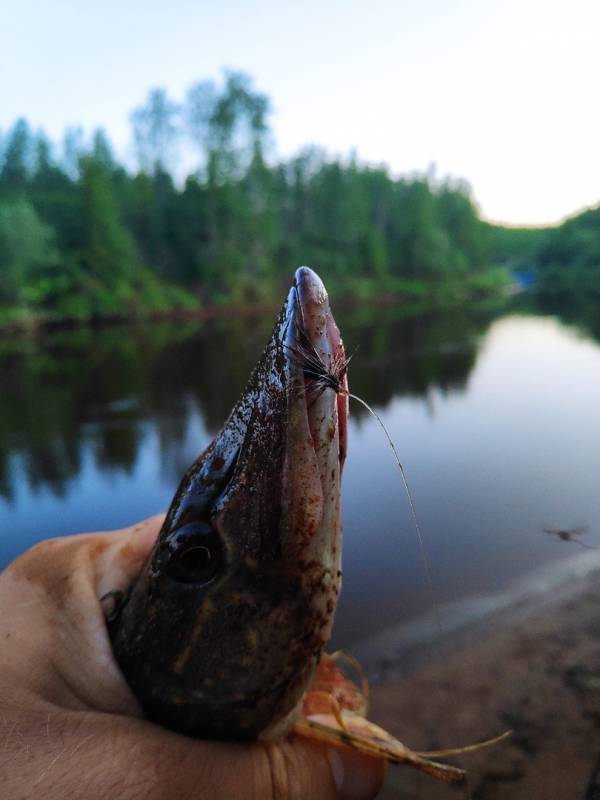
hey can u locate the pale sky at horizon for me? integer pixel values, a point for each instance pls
(502, 94)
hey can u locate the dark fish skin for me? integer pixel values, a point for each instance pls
(220, 635)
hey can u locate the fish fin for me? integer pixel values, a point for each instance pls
(341, 657)
(357, 732)
(330, 682)
(468, 748)
(334, 710)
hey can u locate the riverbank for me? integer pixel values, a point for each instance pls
(533, 667)
(180, 304)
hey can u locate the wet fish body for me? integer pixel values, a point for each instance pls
(222, 632)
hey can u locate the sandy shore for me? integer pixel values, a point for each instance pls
(534, 668)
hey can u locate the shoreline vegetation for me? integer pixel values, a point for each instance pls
(207, 221)
(496, 285)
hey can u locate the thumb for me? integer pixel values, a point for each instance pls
(143, 760)
(323, 771)
(59, 643)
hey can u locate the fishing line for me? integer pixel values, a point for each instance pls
(317, 378)
(322, 377)
(420, 537)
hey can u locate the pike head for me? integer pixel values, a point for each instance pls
(221, 633)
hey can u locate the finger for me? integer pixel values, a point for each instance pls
(113, 557)
(124, 553)
(60, 648)
(133, 759)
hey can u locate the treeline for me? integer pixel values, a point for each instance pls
(568, 257)
(557, 260)
(209, 216)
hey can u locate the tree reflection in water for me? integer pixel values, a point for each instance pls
(101, 388)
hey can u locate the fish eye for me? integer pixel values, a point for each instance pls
(195, 554)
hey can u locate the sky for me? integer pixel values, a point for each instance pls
(502, 94)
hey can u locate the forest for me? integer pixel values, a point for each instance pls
(205, 214)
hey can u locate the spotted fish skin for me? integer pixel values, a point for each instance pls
(221, 634)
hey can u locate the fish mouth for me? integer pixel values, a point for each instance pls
(326, 342)
(316, 430)
(314, 345)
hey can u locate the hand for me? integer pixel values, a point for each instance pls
(70, 727)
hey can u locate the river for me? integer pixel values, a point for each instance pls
(494, 413)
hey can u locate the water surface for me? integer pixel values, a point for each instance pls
(494, 415)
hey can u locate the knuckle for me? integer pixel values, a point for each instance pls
(277, 773)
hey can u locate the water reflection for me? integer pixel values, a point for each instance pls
(579, 308)
(96, 390)
(495, 419)
(516, 452)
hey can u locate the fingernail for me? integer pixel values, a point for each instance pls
(356, 777)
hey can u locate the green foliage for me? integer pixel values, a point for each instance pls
(26, 250)
(562, 260)
(569, 256)
(17, 158)
(108, 251)
(513, 247)
(154, 130)
(92, 239)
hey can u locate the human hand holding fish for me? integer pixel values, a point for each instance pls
(71, 728)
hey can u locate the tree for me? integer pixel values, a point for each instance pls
(26, 247)
(460, 221)
(43, 153)
(108, 255)
(155, 129)
(234, 227)
(423, 243)
(568, 257)
(199, 109)
(228, 127)
(73, 150)
(17, 158)
(102, 151)
(149, 214)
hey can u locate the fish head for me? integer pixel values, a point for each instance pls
(223, 630)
